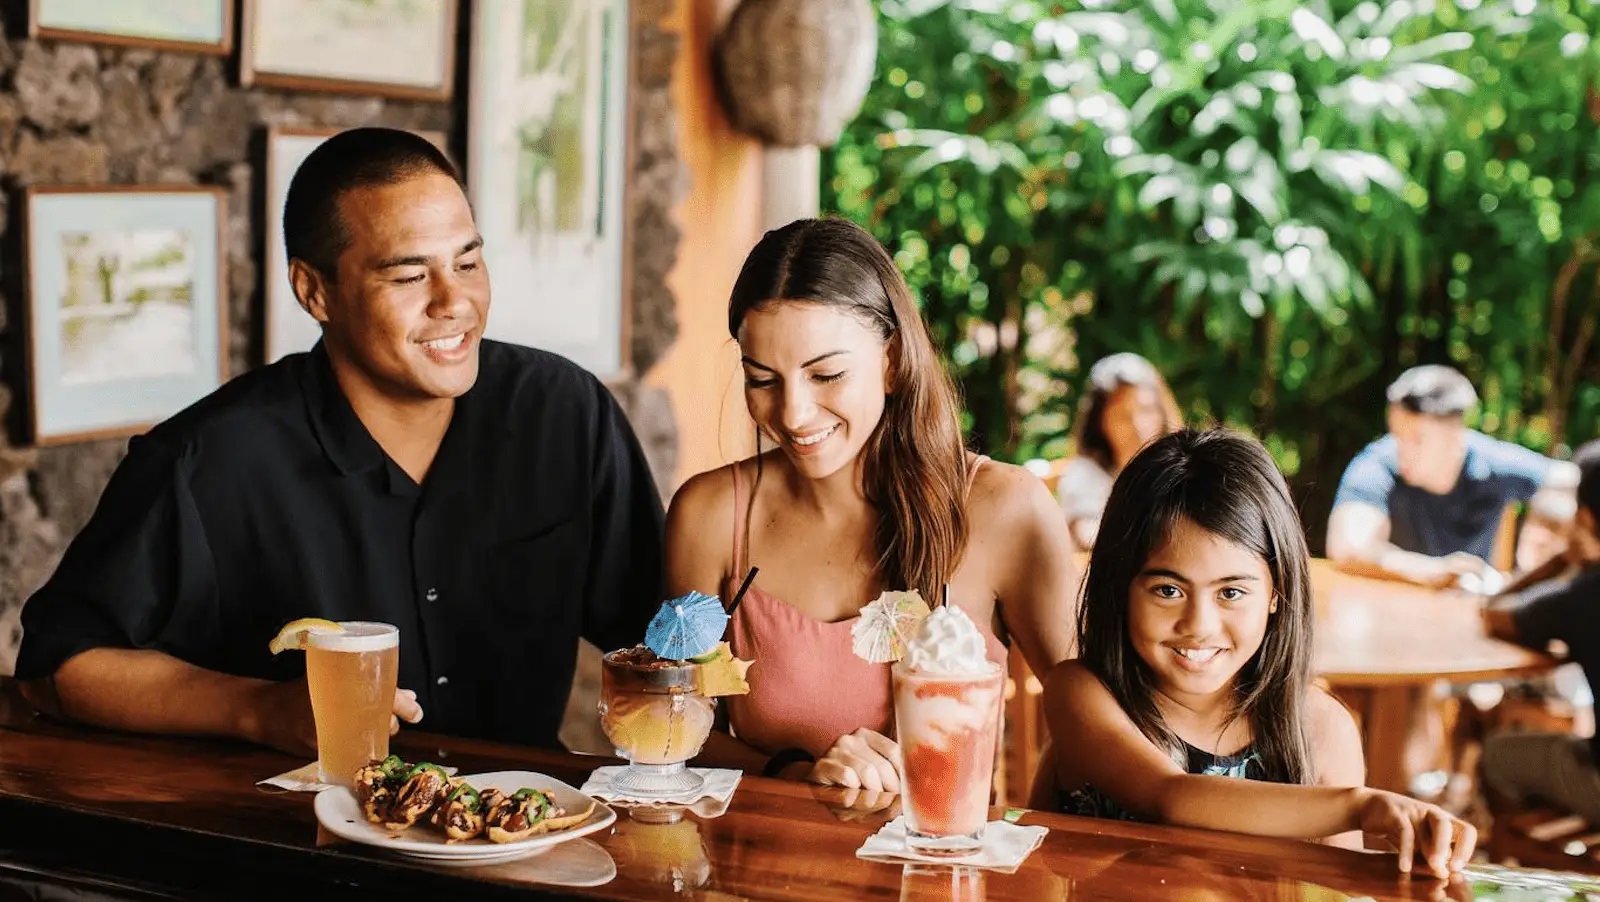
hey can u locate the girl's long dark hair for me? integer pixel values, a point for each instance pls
(915, 468)
(1226, 484)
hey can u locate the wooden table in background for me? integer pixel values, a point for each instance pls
(130, 817)
(1382, 644)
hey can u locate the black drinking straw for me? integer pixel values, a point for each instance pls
(743, 588)
(947, 595)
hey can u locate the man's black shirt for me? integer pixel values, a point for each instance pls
(269, 500)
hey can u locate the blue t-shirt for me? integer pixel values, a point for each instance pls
(1466, 518)
(1568, 610)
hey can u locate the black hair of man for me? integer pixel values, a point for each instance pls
(358, 158)
(1587, 460)
(1433, 390)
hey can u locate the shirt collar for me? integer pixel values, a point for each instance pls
(344, 439)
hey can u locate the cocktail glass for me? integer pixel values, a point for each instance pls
(655, 716)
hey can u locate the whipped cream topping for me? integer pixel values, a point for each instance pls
(948, 642)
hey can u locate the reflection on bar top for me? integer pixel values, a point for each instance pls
(1492, 882)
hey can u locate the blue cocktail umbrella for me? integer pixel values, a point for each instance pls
(687, 627)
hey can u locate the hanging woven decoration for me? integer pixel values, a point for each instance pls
(794, 72)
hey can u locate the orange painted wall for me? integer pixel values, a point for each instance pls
(721, 221)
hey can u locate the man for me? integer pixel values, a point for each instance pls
(1565, 606)
(1424, 502)
(490, 500)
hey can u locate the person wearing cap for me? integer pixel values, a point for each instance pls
(1564, 605)
(1424, 502)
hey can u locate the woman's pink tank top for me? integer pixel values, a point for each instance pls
(807, 687)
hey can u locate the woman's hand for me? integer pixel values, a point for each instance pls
(861, 760)
(1418, 831)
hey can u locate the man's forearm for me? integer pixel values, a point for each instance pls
(1384, 560)
(150, 692)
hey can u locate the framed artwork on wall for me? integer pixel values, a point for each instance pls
(394, 48)
(203, 26)
(126, 306)
(546, 158)
(288, 327)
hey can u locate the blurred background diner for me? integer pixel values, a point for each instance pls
(1115, 219)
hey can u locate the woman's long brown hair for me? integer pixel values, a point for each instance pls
(914, 464)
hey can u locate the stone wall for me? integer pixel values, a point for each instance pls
(84, 114)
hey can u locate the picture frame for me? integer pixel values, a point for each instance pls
(392, 48)
(126, 306)
(199, 26)
(550, 200)
(286, 327)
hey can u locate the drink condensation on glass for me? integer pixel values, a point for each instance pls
(947, 725)
(352, 675)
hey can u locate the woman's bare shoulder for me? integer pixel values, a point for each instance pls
(1006, 494)
(706, 489)
(704, 504)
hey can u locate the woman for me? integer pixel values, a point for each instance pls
(868, 489)
(1127, 405)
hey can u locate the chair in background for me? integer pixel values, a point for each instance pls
(1025, 733)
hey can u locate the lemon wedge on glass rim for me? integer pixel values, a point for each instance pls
(297, 633)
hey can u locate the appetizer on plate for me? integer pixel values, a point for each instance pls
(398, 795)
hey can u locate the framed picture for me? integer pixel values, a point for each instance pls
(546, 158)
(126, 306)
(288, 327)
(396, 48)
(203, 26)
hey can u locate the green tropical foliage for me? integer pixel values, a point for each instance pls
(1282, 204)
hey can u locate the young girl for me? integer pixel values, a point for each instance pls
(1195, 643)
(867, 487)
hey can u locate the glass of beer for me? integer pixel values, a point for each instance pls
(352, 675)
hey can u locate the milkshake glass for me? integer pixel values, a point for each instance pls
(947, 698)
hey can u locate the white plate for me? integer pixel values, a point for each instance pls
(581, 862)
(513, 855)
(340, 813)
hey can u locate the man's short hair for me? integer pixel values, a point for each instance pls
(1433, 390)
(1587, 460)
(361, 157)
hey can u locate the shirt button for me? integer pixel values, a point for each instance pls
(443, 681)
(433, 595)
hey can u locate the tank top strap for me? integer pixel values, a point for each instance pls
(972, 473)
(738, 521)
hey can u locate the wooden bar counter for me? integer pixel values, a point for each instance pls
(89, 814)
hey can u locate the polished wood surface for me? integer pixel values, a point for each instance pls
(1379, 646)
(177, 818)
(1373, 632)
